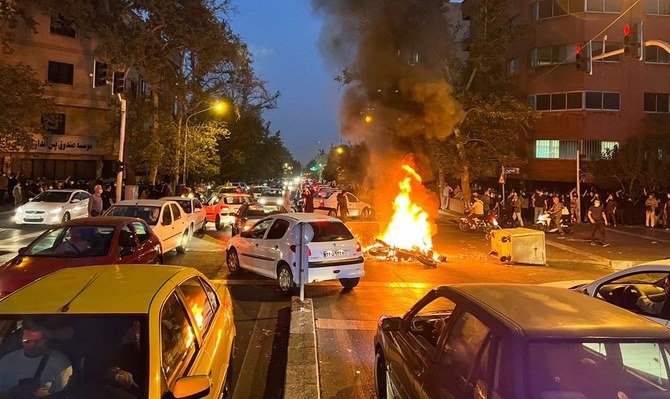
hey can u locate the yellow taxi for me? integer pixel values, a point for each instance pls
(121, 331)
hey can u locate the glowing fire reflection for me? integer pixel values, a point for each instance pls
(410, 227)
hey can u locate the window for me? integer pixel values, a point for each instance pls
(657, 7)
(126, 241)
(461, 348)
(278, 229)
(330, 231)
(213, 299)
(657, 102)
(513, 66)
(603, 5)
(61, 26)
(656, 55)
(60, 73)
(597, 100)
(609, 46)
(607, 146)
(351, 198)
(197, 302)
(258, 231)
(53, 123)
(574, 100)
(429, 321)
(555, 8)
(178, 344)
(611, 101)
(546, 149)
(556, 101)
(550, 55)
(167, 217)
(141, 231)
(176, 213)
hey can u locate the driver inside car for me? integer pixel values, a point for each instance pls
(647, 305)
(77, 243)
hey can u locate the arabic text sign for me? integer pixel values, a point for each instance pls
(53, 143)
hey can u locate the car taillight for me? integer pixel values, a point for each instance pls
(293, 248)
(358, 247)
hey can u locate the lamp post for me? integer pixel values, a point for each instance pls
(122, 139)
(220, 107)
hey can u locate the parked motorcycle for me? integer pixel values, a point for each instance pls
(484, 224)
(544, 223)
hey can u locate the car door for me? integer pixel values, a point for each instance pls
(354, 205)
(199, 213)
(416, 344)
(167, 229)
(178, 219)
(252, 253)
(203, 306)
(147, 251)
(127, 248)
(271, 246)
(74, 206)
(84, 198)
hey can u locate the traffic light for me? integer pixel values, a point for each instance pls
(119, 82)
(99, 74)
(632, 39)
(582, 59)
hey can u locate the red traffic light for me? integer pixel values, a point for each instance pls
(626, 30)
(578, 49)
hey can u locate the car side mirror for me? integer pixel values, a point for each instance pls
(30, 199)
(23, 250)
(391, 323)
(196, 386)
(75, 200)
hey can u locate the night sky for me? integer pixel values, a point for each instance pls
(283, 36)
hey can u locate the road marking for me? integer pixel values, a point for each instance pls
(339, 324)
(598, 259)
(639, 235)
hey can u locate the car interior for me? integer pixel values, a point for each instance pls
(96, 346)
(624, 292)
(427, 327)
(147, 213)
(80, 241)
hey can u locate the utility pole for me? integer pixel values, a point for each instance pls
(579, 191)
(122, 139)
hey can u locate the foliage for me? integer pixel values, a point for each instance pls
(346, 165)
(22, 101)
(203, 159)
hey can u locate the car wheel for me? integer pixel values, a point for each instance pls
(350, 283)
(381, 376)
(183, 243)
(285, 279)
(463, 226)
(218, 224)
(233, 261)
(66, 217)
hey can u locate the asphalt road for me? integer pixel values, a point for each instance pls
(346, 320)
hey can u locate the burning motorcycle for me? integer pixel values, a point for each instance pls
(479, 224)
(544, 223)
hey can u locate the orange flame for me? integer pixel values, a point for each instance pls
(410, 227)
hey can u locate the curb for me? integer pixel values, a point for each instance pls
(302, 365)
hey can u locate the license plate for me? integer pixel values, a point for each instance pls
(330, 254)
(32, 220)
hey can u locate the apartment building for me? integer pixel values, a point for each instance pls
(84, 143)
(589, 112)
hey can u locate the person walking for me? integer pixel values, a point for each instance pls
(342, 205)
(107, 198)
(650, 206)
(17, 193)
(516, 209)
(610, 210)
(308, 200)
(598, 220)
(95, 202)
(446, 195)
(538, 204)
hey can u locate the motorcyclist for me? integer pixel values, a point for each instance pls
(476, 210)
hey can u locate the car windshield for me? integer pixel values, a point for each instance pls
(272, 193)
(258, 210)
(73, 242)
(52, 196)
(234, 200)
(185, 205)
(594, 370)
(147, 213)
(330, 231)
(87, 352)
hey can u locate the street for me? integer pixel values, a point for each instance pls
(346, 320)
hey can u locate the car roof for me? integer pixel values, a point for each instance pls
(309, 217)
(642, 266)
(101, 221)
(234, 195)
(64, 190)
(175, 199)
(112, 289)
(539, 312)
(142, 202)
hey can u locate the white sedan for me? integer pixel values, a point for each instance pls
(53, 207)
(624, 287)
(265, 249)
(325, 201)
(194, 210)
(166, 219)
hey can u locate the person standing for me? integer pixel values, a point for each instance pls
(555, 212)
(598, 220)
(17, 193)
(95, 202)
(516, 209)
(308, 200)
(342, 205)
(446, 195)
(610, 210)
(538, 205)
(666, 212)
(107, 198)
(650, 206)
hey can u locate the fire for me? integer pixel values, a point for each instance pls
(410, 227)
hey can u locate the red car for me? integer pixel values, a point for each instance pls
(221, 208)
(81, 242)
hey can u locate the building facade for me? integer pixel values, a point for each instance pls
(582, 111)
(80, 142)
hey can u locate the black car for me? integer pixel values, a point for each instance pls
(249, 214)
(519, 342)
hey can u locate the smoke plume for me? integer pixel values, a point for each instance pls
(390, 55)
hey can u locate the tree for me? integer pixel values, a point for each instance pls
(345, 165)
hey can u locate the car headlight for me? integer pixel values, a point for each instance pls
(19, 210)
(56, 210)
(280, 202)
(262, 201)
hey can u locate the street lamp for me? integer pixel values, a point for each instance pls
(368, 119)
(219, 107)
(339, 150)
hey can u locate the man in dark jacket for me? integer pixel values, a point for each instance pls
(342, 206)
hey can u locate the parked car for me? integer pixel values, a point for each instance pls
(325, 201)
(194, 210)
(623, 288)
(266, 249)
(519, 342)
(53, 207)
(249, 214)
(168, 328)
(82, 242)
(221, 208)
(166, 219)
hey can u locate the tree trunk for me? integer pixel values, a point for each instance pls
(180, 129)
(153, 165)
(465, 171)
